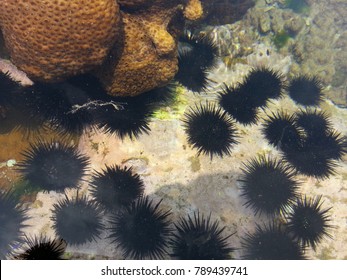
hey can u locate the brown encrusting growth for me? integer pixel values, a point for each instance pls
(134, 42)
(149, 58)
(53, 40)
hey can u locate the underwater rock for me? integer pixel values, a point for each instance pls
(149, 57)
(40, 40)
(221, 12)
(143, 43)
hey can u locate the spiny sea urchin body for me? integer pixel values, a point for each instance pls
(308, 222)
(141, 230)
(268, 185)
(53, 166)
(8, 88)
(125, 116)
(196, 56)
(12, 218)
(271, 242)
(77, 220)
(306, 90)
(281, 131)
(190, 75)
(311, 159)
(210, 130)
(262, 84)
(202, 48)
(314, 123)
(62, 105)
(238, 105)
(42, 248)
(200, 239)
(116, 187)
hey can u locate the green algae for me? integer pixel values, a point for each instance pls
(175, 109)
(194, 163)
(280, 39)
(23, 190)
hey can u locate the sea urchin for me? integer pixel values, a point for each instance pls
(308, 222)
(281, 131)
(268, 185)
(305, 90)
(200, 239)
(53, 166)
(210, 130)
(77, 220)
(262, 84)
(42, 248)
(12, 219)
(141, 230)
(271, 242)
(116, 187)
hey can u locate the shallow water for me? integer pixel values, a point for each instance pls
(168, 164)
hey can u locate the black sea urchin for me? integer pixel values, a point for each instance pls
(8, 88)
(314, 123)
(262, 84)
(331, 145)
(238, 105)
(312, 159)
(141, 230)
(281, 131)
(308, 222)
(190, 74)
(196, 56)
(116, 187)
(202, 48)
(61, 104)
(77, 220)
(42, 248)
(53, 167)
(200, 239)
(268, 185)
(271, 242)
(306, 90)
(210, 130)
(125, 116)
(12, 219)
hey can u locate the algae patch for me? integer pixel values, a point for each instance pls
(194, 164)
(175, 109)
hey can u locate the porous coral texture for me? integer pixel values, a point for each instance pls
(53, 39)
(149, 58)
(134, 4)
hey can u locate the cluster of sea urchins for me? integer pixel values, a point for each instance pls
(307, 140)
(269, 186)
(140, 227)
(70, 107)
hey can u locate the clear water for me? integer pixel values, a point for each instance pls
(288, 37)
